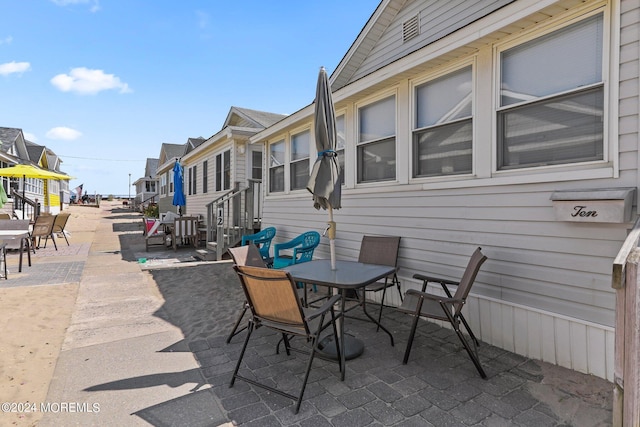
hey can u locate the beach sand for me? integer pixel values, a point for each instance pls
(33, 321)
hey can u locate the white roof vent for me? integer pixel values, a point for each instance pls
(410, 29)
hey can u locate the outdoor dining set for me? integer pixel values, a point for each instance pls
(26, 235)
(277, 280)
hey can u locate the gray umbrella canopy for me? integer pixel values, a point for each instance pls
(324, 181)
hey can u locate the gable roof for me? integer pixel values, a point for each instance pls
(247, 118)
(193, 143)
(36, 152)
(151, 167)
(12, 145)
(382, 40)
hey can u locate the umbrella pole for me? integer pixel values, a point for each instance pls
(332, 237)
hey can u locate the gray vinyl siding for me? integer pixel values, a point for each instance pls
(437, 18)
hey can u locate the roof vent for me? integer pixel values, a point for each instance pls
(410, 29)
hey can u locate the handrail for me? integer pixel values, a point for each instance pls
(25, 201)
(620, 262)
(150, 198)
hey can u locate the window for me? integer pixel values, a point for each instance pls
(163, 184)
(340, 144)
(300, 160)
(442, 139)
(223, 171)
(256, 164)
(205, 176)
(189, 179)
(552, 98)
(377, 141)
(276, 167)
(193, 177)
(170, 174)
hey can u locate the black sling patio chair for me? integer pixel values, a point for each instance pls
(244, 255)
(382, 250)
(274, 303)
(446, 308)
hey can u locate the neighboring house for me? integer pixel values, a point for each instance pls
(14, 149)
(148, 186)
(458, 123)
(169, 153)
(54, 193)
(225, 161)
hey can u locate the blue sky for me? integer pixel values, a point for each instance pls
(104, 83)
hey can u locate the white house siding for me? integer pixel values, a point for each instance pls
(545, 291)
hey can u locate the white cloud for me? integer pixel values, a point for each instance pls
(6, 40)
(88, 82)
(30, 137)
(95, 5)
(14, 67)
(63, 133)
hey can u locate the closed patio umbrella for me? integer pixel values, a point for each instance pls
(324, 181)
(3, 195)
(178, 194)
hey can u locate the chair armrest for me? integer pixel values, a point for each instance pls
(432, 297)
(301, 251)
(443, 282)
(324, 307)
(278, 246)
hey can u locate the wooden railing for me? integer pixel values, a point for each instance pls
(231, 215)
(29, 208)
(625, 277)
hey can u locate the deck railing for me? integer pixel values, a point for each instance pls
(625, 277)
(231, 215)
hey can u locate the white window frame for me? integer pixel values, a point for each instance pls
(413, 99)
(298, 162)
(609, 146)
(358, 143)
(282, 166)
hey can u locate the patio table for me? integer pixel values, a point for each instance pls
(348, 275)
(8, 235)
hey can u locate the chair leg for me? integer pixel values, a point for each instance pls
(397, 282)
(235, 331)
(384, 292)
(414, 325)
(244, 348)
(65, 237)
(472, 354)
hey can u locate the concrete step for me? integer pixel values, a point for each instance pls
(206, 255)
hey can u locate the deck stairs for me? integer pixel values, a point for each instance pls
(229, 217)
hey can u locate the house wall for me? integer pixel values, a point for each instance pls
(545, 291)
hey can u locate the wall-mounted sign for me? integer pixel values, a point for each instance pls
(602, 205)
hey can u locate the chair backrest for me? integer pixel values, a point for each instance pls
(61, 222)
(307, 242)
(262, 239)
(272, 297)
(186, 226)
(152, 225)
(43, 225)
(381, 250)
(247, 255)
(469, 276)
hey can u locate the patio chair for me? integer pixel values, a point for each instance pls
(5, 216)
(185, 228)
(43, 227)
(58, 226)
(242, 256)
(445, 308)
(302, 246)
(382, 250)
(154, 236)
(274, 304)
(262, 240)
